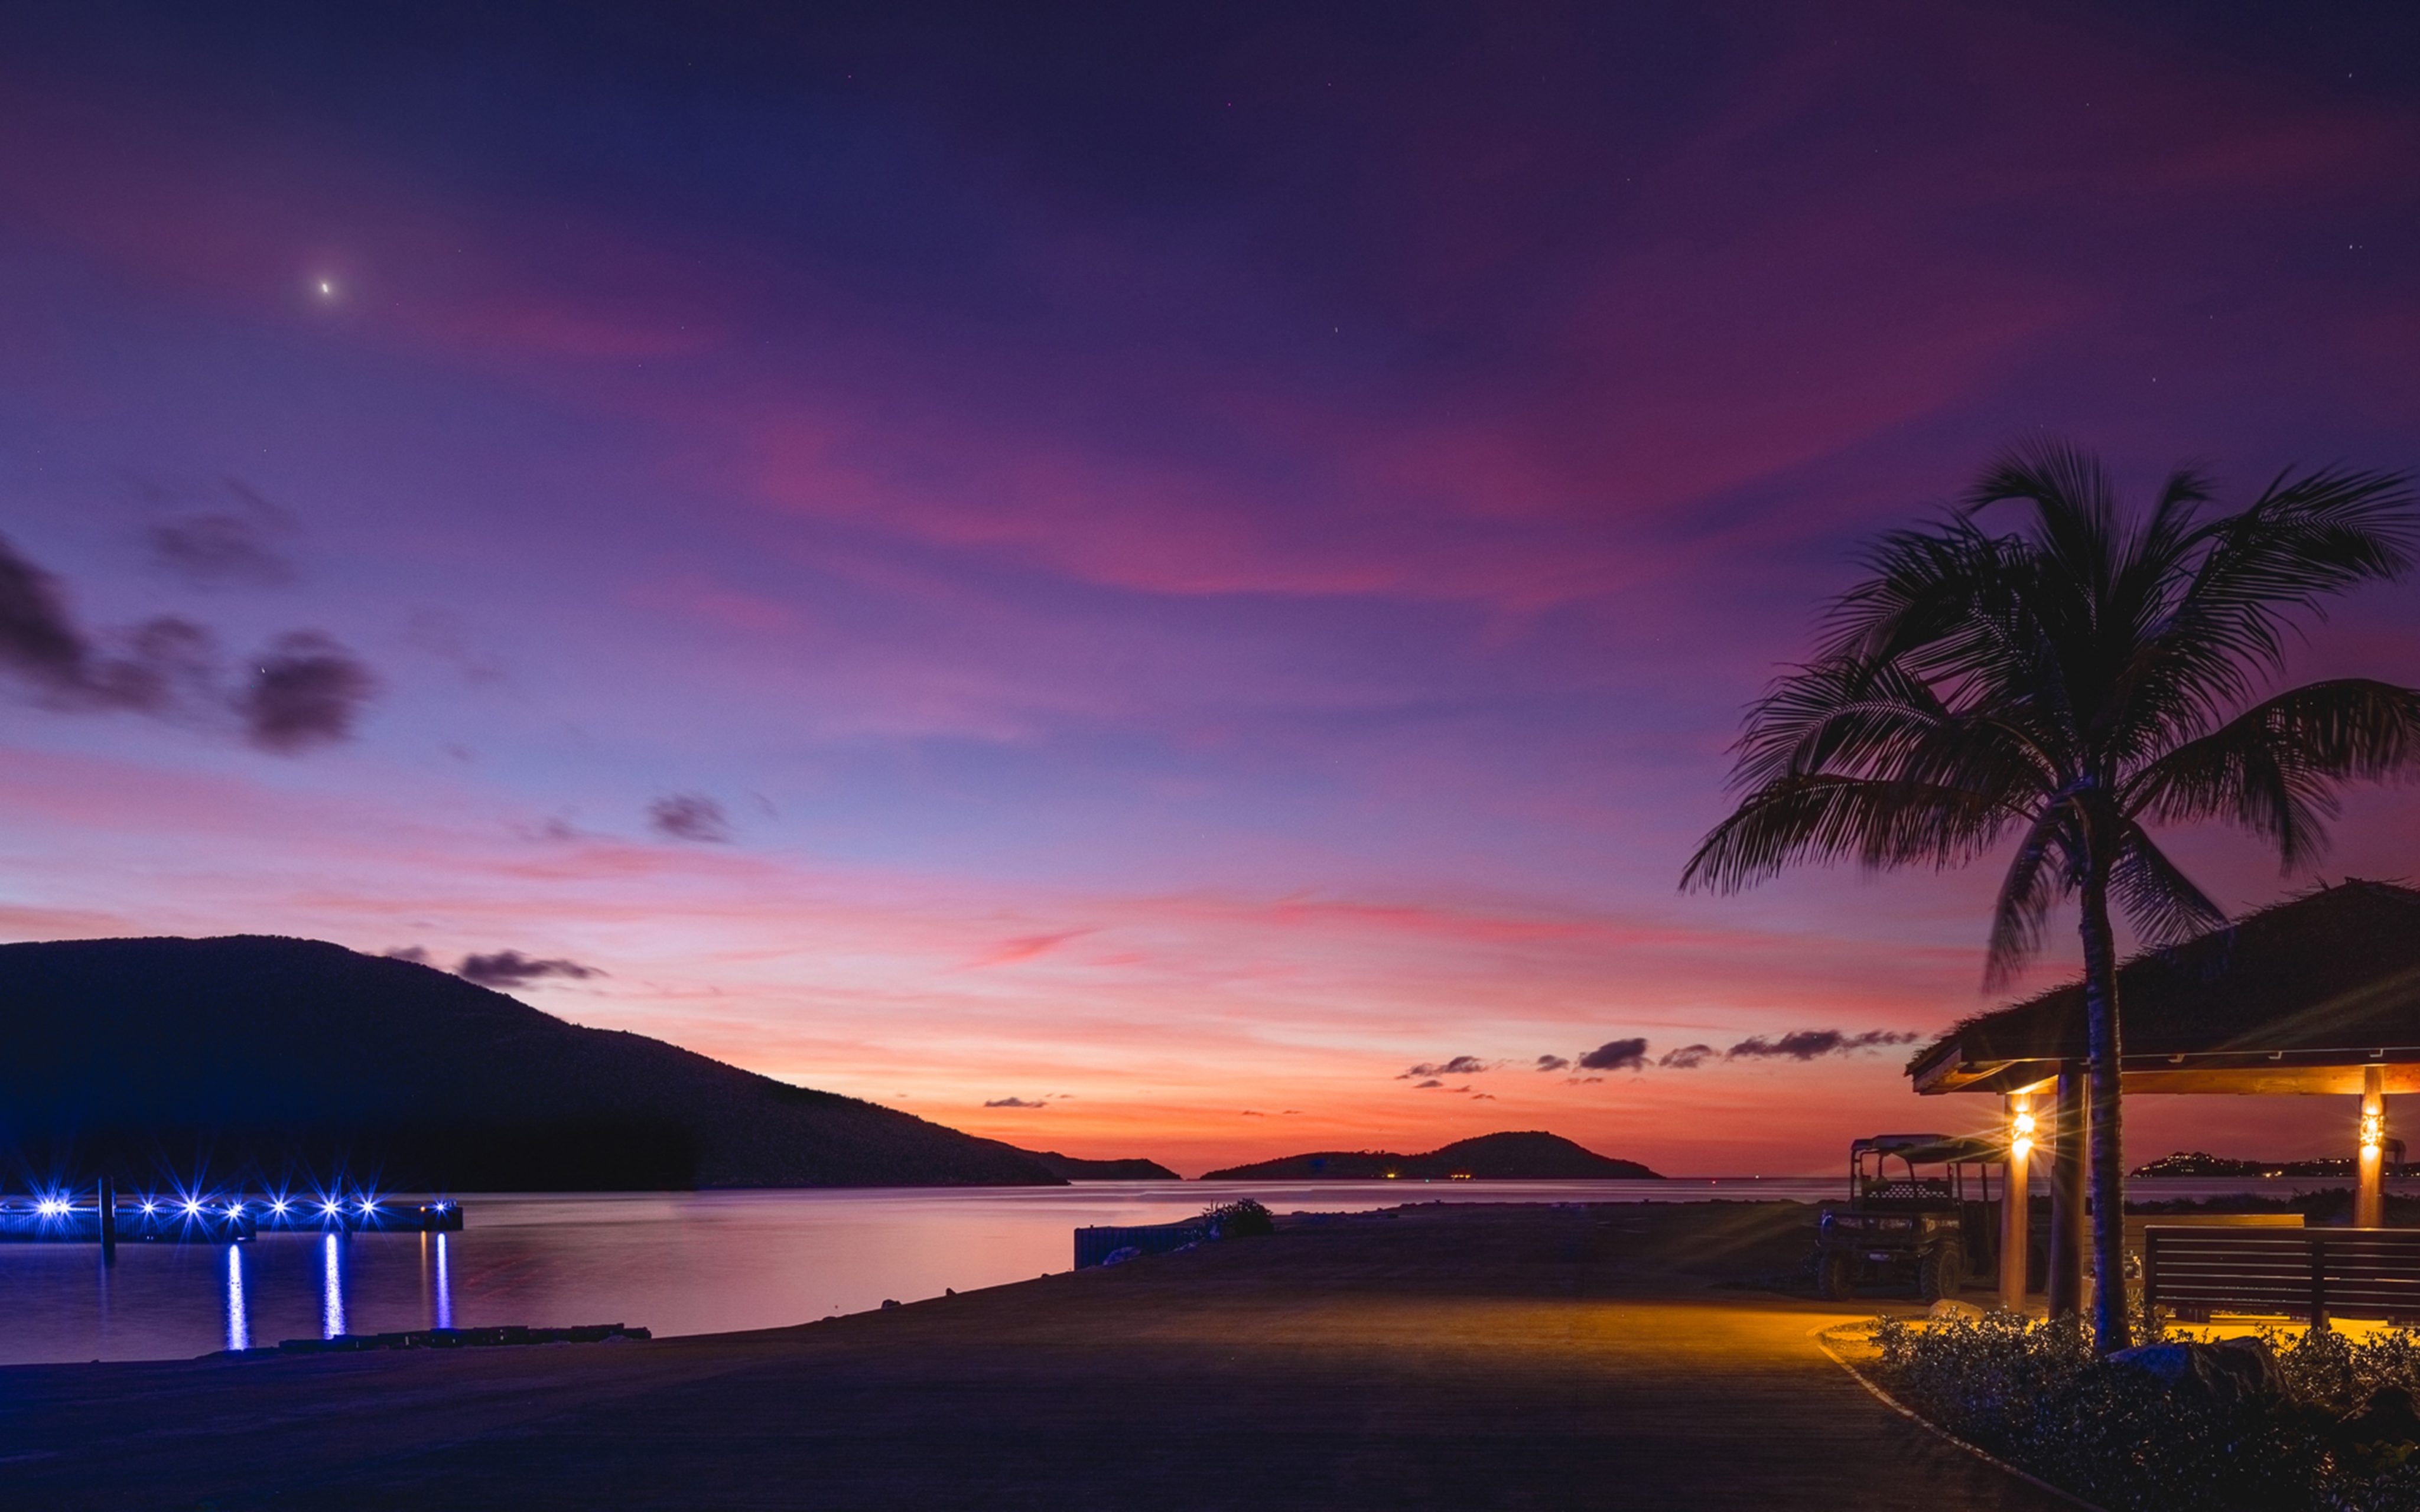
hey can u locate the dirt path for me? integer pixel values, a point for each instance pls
(1455, 1358)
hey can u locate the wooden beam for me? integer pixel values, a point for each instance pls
(2014, 1239)
(2068, 1222)
(2369, 1155)
(2206, 1075)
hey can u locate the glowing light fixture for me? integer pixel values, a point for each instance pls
(50, 1207)
(149, 1205)
(2021, 1130)
(2373, 1132)
(192, 1206)
(278, 1207)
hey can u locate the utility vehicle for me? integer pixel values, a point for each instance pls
(1921, 1212)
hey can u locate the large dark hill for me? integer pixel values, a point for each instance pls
(1501, 1157)
(151, 1056)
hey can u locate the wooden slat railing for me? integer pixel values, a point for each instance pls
(2311, 1273)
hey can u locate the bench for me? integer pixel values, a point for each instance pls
(2137, 1222)
(2310, 1273)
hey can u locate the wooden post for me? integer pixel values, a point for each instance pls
(2068, 1222)
(2369, 1186)
(108, 1196)
(2014, 1200)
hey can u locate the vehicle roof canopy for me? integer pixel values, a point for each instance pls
(1931, 1149)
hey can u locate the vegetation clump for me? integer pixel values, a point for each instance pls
(1243, 1218)
(2317, 1421)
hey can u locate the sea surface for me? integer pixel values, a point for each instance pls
(702, 1262)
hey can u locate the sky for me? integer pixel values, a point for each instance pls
(1166, 582)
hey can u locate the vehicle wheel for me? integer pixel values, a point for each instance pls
(1940, 1274)
(1835, 1276)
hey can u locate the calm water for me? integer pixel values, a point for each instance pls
(675, 1262)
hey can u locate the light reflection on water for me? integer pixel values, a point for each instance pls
(239, 1324)
(675, 1262)
(332, 1286)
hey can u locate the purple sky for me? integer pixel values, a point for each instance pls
(1169, 566)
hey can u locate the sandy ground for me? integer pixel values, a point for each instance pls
(1451, 1358)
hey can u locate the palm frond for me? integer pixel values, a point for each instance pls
(2272, 769)
(2302, 541)
(1841, 714)
(1920, 588)
(1822, 818)
(2039, 872)
(2159, 901)
(2076, 508)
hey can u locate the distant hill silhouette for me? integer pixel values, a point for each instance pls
(1503, 1157)
(1076, 1168)
(151, 1056)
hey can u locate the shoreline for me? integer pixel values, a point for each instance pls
(1449, 1355)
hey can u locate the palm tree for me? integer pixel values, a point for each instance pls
(2071, 682)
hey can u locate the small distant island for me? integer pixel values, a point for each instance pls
(1076, 1168)
(1527, 1156)
(2196, 1163)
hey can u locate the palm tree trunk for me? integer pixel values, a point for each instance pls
(2106, 1175)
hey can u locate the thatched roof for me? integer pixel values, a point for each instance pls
(2328, 979)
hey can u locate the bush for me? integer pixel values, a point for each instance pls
(2037, 1396)
(1240, 1219)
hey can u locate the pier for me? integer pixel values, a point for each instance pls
(102, 1217)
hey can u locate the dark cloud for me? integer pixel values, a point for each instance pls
(168, 666)
(164, 666)
(227, 548)
(1011, 1102)
(1426, 1085)
(1552, 1064)
(1254, 1113)
(1688, 1057)
(306, 690)
(690, 816)
(414, 953)
(1482, 1097)
(510, 969)
(1458, 1066)
(1616, 1054)
(1808, 1044)
(37, 641)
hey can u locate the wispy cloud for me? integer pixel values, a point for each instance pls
(237, 543)
(1458, 1066)
(510, 969)
(1809, 1044)
(690, 817)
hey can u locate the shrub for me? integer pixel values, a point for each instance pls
(2037, 1396)
(1240, 1219)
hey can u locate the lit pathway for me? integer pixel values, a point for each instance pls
(1459, 1358)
